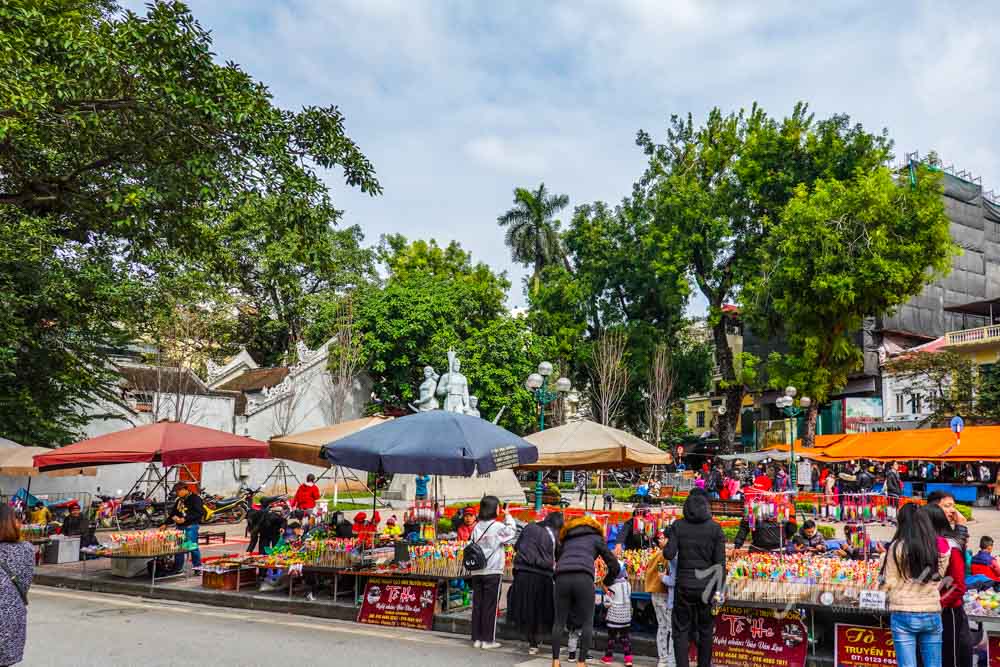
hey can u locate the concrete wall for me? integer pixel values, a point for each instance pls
(308, 407)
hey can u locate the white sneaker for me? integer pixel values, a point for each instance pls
(477, 644)
(491, 645)
(532, 650)
(310, 597)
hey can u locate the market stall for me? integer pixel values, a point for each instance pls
(587, 445)
(173, 445)
(306, 447)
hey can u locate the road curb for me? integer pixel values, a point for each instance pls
(445, 623)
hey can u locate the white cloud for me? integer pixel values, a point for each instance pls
(457, 103)
(506, 156)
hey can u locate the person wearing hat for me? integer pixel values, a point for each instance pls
(187, 515)
(392, 527)
(468, 524)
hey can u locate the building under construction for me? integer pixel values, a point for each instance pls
(967, 298)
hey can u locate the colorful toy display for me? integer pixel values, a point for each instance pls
(32, 532)
(144, 543)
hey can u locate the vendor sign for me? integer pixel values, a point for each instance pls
(863, 646)
(749, 637)
(399, 603)
(994, 650)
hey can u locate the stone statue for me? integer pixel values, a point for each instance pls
(454, 386)
(473, 409)
(427, 401)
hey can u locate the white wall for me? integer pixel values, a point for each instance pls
(308, 406)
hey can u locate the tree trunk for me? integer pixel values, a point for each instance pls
(733, 391)
(809, 437)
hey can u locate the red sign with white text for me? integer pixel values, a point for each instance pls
(863, 646)
(994, 649)
(749, 637)
(399, 603)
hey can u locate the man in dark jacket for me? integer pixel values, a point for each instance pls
(808, 539)
(698, 544)
(893, 484)
(187, 514)
(630, 537)
(765, 536)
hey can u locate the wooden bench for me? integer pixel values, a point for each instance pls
(727, 507)
(207, 537)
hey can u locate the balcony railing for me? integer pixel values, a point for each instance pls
(982, 334)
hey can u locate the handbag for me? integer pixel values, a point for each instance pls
(17, 583)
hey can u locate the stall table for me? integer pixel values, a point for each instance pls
(148, 557)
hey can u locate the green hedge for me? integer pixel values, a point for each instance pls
(828, 532)
(965, 510)
(730, 533)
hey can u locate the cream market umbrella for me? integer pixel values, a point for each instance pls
(587, 445)
(305, 447)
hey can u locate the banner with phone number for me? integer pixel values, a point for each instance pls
(749, 637)
(863, 646)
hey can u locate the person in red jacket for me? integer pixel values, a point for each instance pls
(307, 495)
(956, 647)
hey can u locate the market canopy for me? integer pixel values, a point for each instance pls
(19, 461)
(583, 445)
(306, 447)
(436, 442)
(978, 443)
(169, 443)
(757, 457)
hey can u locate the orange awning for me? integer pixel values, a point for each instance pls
(978, 443)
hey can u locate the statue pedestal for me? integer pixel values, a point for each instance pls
(503, 484)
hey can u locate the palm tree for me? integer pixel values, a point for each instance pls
(532, 234)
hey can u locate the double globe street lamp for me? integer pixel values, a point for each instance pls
(538, 385)
(786, 403)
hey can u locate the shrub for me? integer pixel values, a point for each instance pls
(828, 532)
(805, 508)
(444, 526)
(965, 510)
(730, 533)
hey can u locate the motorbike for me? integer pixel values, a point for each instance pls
(228, 510)
(132, 512)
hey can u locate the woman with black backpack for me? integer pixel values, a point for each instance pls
(530, 603)
(484, 559)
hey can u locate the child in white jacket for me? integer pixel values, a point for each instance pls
(618, 600)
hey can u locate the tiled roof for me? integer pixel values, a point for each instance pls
(257, 379)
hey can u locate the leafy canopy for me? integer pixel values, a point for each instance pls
(845, 250)
(129, 155)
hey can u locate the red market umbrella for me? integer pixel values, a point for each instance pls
(169, 443)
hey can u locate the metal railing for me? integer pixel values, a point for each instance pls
(987, 333)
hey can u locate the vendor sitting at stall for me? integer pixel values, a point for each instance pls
(464, 530)
(392, 528)
(807, 540)
(40, 515)
(340, 525)
(985, 562)
(632, 535)
(365, 530)
(849, 551)
(767, 535)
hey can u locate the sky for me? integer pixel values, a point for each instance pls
(458, 102)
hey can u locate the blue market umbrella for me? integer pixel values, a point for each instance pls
(432, 443)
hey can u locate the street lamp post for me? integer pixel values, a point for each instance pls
(787, 404)
(538, 385)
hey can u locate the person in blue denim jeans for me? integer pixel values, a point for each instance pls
(187, 514)
(912, 569)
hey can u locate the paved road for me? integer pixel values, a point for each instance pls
(74, 629)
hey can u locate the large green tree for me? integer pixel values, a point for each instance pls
(127, 154)
(714, 193)
(844, 250)
(433, 300)
(617, 281)
(532, 232)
